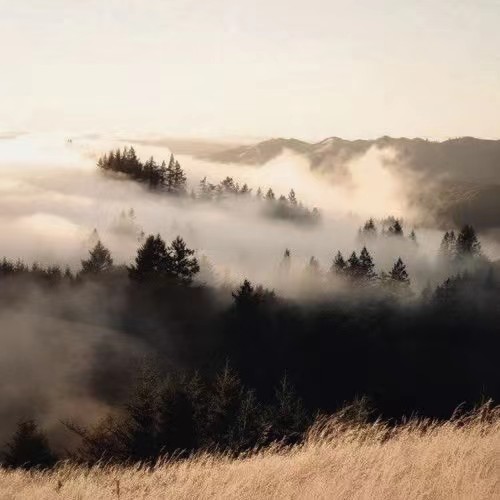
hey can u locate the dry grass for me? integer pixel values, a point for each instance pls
(452, 460)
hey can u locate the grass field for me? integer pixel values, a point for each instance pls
(459, 459)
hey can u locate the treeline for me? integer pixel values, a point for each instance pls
(390, 226)
(176, 415)
(171, 178)
(424, 356)
(280, 207)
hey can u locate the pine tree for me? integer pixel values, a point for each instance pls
(369, 230)
(224, 407)
(366, 265)
(205, 189)
(258, 194)
(100, 260)
(288, 418)
(152, 261)
(29, 448)
(270, 195)
(245, 190)
(247, 297)
(396, 229)
(398, 275)
(447, 248)
(140, 436)
(468, 244)
(179, 415)
(352, 269)
(181, 264)
(179, 179)
(413, 237)
(292, 199)
(169, 184)
(339, 264)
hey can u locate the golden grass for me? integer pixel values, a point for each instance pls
(452, 460)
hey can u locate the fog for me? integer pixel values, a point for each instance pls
(53, 197)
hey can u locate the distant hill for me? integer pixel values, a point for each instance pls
(464, 160)
(458, 179)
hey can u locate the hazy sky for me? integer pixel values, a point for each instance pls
(308, 69)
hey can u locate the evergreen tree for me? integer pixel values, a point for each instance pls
(180, 261)
(169, 175)
(28, 448)
(99, 261)
(369, 229)
(179, 179)
(396, 229)
(353, 266)
(152, 261)
(247, 297)
(413, 237)
(292, 199)
(224, 406)
(467, 244)
(258, 194)
(245, 190)
(205, 190)
(140, 436)
(270, 195)
(179, 415)
(288, 418)
(366, 265)
(447, 248)
(339, 264)
(398, 277)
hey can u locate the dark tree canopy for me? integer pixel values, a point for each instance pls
(28, 448)
(151, 262)
(399, 274)
(181, 263)
(467, 243)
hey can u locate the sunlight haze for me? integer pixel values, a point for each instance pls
(262, 68)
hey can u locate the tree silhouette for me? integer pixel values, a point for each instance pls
(152, 261)
(395, 229)
(369, 229)
(181, 264)
(399, 280)
(29, 448)
(99, 261)
(288, 417)
(179, 415)
(270, 195)
(366, 266)
(339, 264)
(178, 179)
(247, 297)
(448, 248)
(467, 244)
(353, 266)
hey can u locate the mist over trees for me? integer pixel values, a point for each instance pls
(171, 179)
(241, 367)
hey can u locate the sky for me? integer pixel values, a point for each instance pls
(260, 68)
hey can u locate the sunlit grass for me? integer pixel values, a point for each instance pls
(458, 459)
